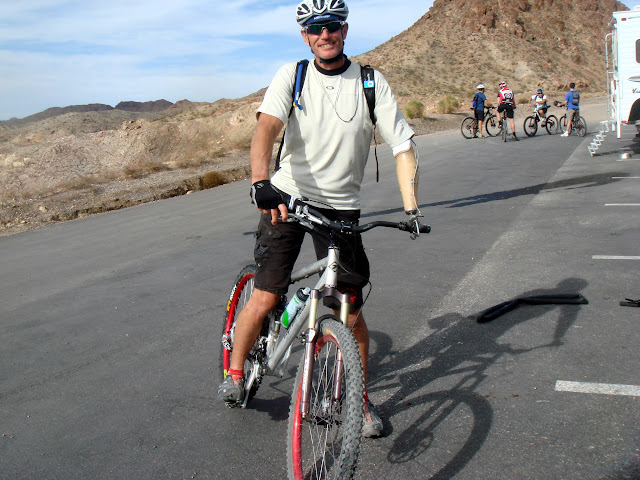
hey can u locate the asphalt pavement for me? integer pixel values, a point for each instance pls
(110, 327)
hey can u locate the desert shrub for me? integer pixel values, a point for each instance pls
(212, 179)
(522, 100)
(141, 167)
(414, 109)
(448, 104)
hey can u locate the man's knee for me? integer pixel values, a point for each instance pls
(262, 302)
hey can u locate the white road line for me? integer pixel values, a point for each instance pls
(600, 388)
(618, 178)
(622, 204)
(614, 257)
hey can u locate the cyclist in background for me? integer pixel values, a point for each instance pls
(507, 103)
(323, 158)
(479, 102)
(540, 102)
(572, 102)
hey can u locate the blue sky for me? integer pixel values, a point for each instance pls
(55, 53)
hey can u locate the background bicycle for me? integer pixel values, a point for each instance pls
(504, 125)
(531, 123)
(469, 125)
(579, 124)
(327, 402)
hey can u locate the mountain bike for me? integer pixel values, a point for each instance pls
(531, 123)
(504, 125)
(579, 124)
(469, 125)
(492, 122)
(327, 402)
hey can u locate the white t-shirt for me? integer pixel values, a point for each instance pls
(326, 144)
(536, 97)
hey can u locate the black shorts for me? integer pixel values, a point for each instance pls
(508, 108)
(278, 246)
(543, 110)
(479, 115)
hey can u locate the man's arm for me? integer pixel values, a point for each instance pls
(565, 102)
(264, 138)
(407, 172)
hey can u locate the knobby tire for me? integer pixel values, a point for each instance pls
(530, 126)
(552, 124)
(581, 127)
(492, 126)
(327, 443)
(466, 127)
(240, 293)
(505, 128)
(563, 123)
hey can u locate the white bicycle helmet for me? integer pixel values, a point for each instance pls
(321, 10)
(480, 87)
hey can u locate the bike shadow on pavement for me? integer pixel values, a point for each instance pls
(585, 181)
(444, 372)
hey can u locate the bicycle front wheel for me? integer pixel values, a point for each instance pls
(326, 443)
(240, 294)
(581, 127)
(552, 125)
(530, 126)
(467, 127)
(492, 126)
(563, 123)
(505, 128)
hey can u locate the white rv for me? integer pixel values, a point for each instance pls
(623, 69)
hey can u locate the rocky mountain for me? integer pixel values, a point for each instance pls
(528, 43)
(129, 106)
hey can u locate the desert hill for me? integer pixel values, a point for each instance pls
(528, 43)
(68, 162)
(127, 106)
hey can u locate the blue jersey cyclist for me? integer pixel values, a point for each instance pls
(572, 102)
(325, 149)
(479, 102)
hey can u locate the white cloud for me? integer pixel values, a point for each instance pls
(58, 53)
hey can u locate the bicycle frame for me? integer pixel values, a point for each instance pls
(310, 310)
(325, 287)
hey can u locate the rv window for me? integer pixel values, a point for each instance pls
(637, 51)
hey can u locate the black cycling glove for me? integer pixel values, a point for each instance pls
(264, 196)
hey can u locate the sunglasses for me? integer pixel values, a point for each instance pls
(316, 28)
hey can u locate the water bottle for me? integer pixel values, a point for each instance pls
(294, 307)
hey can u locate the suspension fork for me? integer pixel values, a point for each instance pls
(313, 331)
(311, 340)
(311, 337)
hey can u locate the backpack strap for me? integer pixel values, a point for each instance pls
(301, 75)
(369, 87)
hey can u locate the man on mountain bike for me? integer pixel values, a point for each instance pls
(540, 102)
(326, 145)
(572, 102)
(479, 102)
(507, 103)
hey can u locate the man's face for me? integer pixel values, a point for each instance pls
(326, 46)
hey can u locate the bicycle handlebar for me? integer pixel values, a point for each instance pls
(311, 218)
